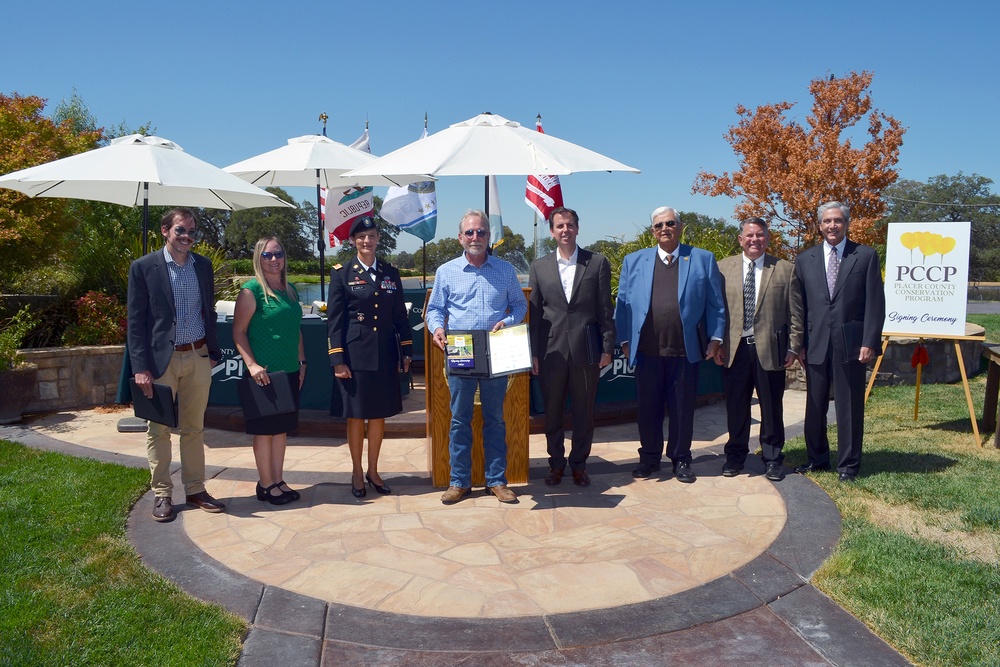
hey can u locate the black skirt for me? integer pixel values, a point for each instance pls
(277, 424)
(368, 395)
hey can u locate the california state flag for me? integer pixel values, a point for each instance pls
(543, 193)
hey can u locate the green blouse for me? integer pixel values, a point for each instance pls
(274, 329)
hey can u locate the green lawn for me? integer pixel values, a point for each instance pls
(73, 589)
(919, 559)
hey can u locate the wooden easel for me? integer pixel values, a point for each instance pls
(961, 368)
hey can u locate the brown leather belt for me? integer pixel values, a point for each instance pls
(190, 346)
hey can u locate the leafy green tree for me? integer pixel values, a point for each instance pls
(291, 225)
(437, 253)
(604, 246)
(32, 231)
(404, 260)
(958, 198)
(712, 234)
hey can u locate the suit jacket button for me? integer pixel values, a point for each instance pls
(374, 328)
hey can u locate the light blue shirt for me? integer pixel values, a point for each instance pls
(187, 300)
(471, 298)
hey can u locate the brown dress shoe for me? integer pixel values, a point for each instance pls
(554, 477)
(163, 509)
(581, 478)
(454, 494)
(502, 493)
(206, 502)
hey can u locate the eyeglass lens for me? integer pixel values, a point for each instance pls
(475, 232)
(668, 223)
(278, 254)
(190, 233)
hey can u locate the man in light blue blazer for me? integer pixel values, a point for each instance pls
(668, 336)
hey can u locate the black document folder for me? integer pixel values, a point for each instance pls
(161, 408)
(274, 398)
(595, 344)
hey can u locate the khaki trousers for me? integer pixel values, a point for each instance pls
(189, 376)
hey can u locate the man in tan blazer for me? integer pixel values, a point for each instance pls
(762, 338)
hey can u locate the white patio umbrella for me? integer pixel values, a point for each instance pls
(139, 169)
(488, 145)
(312, 160)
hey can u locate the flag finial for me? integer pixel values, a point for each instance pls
(323, 117)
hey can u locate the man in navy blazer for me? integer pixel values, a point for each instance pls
(844, 306)
(572, 338)
(172, 341)
(666, 338)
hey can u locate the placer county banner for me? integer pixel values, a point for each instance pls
(926, 278)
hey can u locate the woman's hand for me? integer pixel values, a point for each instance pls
(342, 371)
(259, 374)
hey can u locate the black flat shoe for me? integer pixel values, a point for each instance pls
(811, 467)
(291, 493)
(358, 493)
(281, 499)
(261, 491)
(378, 487)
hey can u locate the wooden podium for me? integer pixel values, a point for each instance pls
(515, 415)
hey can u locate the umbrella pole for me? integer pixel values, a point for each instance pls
(321, 244)
(486, 209)
(145, 217)
(425, 265)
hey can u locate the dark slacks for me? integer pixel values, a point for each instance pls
(558, 379)
(670, 382)
(740, 380)
(848, 379)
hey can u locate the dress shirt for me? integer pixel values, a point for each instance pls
(369, 269)
(187, 300)
(758, 265)
(567, 271)
(840, 251)
(475, 298)
(662, 254)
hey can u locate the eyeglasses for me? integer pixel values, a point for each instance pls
(668, 223)
(481, 233)
(192, 234)
(277, 254)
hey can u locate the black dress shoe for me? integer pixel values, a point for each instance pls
(811, 467)
(206, 502)
(163, 509)
(380, 488)
(279, 498)
(644, 470)
(731, 469)
(291, 493)
(683, 472)
(581, 478)
(554, 477)
(847, 477)
(774, 472)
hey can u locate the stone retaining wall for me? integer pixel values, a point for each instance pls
(71, 378)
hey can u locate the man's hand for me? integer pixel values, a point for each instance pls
(713, 347)
(534, 365)
(605, 360)
(498, 326)
(790, 359)
(720, 356)
(625, 350)
(144, 380)
(867, 354)
(440, 339)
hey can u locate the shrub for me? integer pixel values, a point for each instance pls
(101, 319)
(11, 336)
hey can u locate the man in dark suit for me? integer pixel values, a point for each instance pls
(571, 323)
(666, 338)
(172, 341)
(763, 337)
(844, 307)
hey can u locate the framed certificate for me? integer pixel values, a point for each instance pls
(488, 354)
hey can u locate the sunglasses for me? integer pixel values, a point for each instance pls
(192, 234)
(668, 223)
(481, 233)
(277, 254)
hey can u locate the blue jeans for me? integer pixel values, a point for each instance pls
(491, 396)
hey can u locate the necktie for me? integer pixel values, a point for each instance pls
(749, 296)
(669, 260)
(832, 269)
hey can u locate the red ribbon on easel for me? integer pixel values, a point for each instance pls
(920, 356)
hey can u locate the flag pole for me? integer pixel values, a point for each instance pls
(425, 265)
(321, 242)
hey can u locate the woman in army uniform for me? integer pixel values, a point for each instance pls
(370, 342)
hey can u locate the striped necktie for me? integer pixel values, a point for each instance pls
(749, 296)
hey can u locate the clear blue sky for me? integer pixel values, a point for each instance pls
(652, 84)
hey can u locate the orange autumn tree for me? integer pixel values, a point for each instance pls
(786, 170)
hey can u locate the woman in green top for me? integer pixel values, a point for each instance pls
(268, 335)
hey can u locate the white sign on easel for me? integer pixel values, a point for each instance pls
(926, 278)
